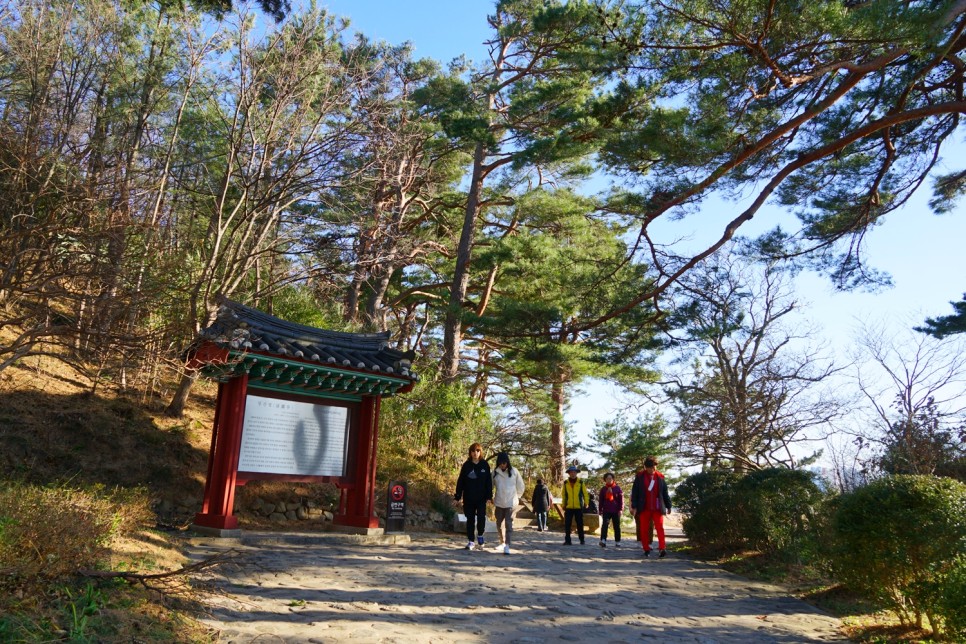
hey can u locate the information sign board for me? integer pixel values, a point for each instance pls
(291, 437)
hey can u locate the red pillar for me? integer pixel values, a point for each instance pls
(358, 509)
(219, 500)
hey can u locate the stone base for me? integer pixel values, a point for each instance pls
(224, 533)
(351, 529)
(250, 538)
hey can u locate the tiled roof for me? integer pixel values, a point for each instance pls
(242, 328)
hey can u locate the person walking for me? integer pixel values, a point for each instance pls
(475, 487)
(650, 501)
(610, 504)
(650, 524)
(575, 499)
(508, 486)
(542, 502)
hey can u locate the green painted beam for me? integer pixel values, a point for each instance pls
(320, 380)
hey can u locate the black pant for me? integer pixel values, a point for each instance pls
(607, 518)
(477, 508)
(569, 516)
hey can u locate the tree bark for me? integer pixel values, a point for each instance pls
(453, 329)
(375, 311)
(558, 444)
(176, 407)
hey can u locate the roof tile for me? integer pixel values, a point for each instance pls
(239, 326)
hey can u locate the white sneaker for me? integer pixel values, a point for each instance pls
(480, 546)
(470, 545)
(617, 544)
(506, 549)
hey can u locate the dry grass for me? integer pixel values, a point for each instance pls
(47, 593)
(52, 429)
(86, 471)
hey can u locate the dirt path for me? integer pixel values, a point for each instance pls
(325, 589)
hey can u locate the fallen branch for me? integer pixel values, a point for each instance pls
(166, 583)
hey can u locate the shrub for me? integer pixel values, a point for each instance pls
(950, 599)
(47, 533)
(777, 508)
(708, 500)
(898, 539)
(773, 510)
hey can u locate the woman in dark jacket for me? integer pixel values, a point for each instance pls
(475, 487)
(541, 501)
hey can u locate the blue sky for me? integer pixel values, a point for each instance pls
(922, 252)
(440, 29)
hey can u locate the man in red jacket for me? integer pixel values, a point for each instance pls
(650, 501)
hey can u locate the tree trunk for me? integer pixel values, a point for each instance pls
(375, 311)
(481, 383)
(558, 444)
(176, 408)
(453, 329)
(351, 312)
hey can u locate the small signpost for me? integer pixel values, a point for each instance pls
(396, 508)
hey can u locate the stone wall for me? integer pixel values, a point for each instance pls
(419, 519)
(260, 509)
(295, 509)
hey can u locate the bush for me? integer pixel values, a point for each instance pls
(47, 533)
(777, 509)
(773, 510)
(951, 599)
(898, 539)
(708, 501)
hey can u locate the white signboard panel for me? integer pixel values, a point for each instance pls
(288, 437)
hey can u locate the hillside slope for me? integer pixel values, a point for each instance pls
(53, 429)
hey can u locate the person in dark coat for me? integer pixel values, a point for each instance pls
(542, 502)
(474, 487)
(650, 501)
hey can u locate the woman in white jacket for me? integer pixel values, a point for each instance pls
(508, 486)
